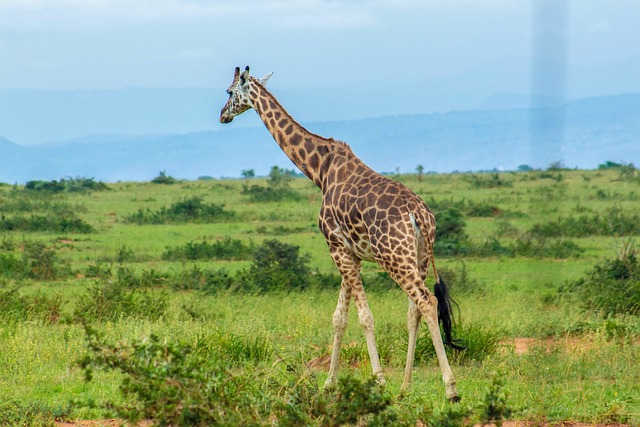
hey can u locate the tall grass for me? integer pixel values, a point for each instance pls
(510, 283)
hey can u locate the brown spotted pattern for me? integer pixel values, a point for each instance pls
(364, 217)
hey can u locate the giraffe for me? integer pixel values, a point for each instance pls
(364, 216)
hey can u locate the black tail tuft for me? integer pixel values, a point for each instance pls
(445, 314)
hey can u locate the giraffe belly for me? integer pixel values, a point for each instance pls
(358, 245)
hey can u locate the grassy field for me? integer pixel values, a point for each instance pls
(541, 349)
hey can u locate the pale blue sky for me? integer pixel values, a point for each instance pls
(112, 44)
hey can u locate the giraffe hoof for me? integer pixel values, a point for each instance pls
(329, 384)
(455, 398)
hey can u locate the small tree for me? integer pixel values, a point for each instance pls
(420, 171)
(248, 173)
(279, 178)
(278, 265)
(163, 178)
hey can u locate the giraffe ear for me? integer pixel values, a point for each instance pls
(244, 77)
(263, 81)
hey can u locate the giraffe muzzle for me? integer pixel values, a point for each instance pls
(225, 118)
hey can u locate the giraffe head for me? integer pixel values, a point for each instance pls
(240, 99)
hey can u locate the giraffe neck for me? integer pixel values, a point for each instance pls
(309, 152)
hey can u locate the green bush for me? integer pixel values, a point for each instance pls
(38, 261)
(41, 262)
(277, 188)
(165, 383)
(207, 281)
(494, 409)
(31, 202)
(480, 342)
(71, 185)
(122, 297)
(186, 210)
(494, 180)
(163, 178)
(15, 307)
(613, 286)
(227, 249)
(526, 245)
(280, 230)
(235, 349)
(12, 266)
(277, 266)
(614, 222)
(66, 222)
(34, 414)
(470, 208)
(451, 238)
(178, 384)
(460, 281)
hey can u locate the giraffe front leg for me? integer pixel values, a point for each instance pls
(340, 318)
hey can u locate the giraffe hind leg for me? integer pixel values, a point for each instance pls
(340, 318)
(427, 305)
(413, 324)
(366, 321)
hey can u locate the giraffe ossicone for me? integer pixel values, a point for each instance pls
(364, 216)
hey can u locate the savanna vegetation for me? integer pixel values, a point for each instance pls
(210, 302)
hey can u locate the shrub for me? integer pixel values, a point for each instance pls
(261, 194)
(461, 282)
(186, 210)
(451, 238)
(494, 409)
(38, 261)
(11, 266)
(166, 383)
(280, 230)
(72, 185)
(47, 186)
(277, 266)
(614, 222)
(227, 249)
(66, 222)
(34, 414)
(163, 178)
(207, 281)
(378, 282)
(235, 349)
(358, 402)
(41, 262)
(178, 384)
(480, 343)
(613, 286)
(277, 188)
(120, 298)
(15, 307)
(493, 180)
(526, 245)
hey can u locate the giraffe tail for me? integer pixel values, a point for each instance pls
(445, 310)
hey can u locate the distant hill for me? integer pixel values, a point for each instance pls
(582, 133)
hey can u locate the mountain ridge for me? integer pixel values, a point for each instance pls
(581, 133)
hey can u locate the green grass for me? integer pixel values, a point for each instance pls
(583, 368)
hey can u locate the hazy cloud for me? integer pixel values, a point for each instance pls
(296, 14)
